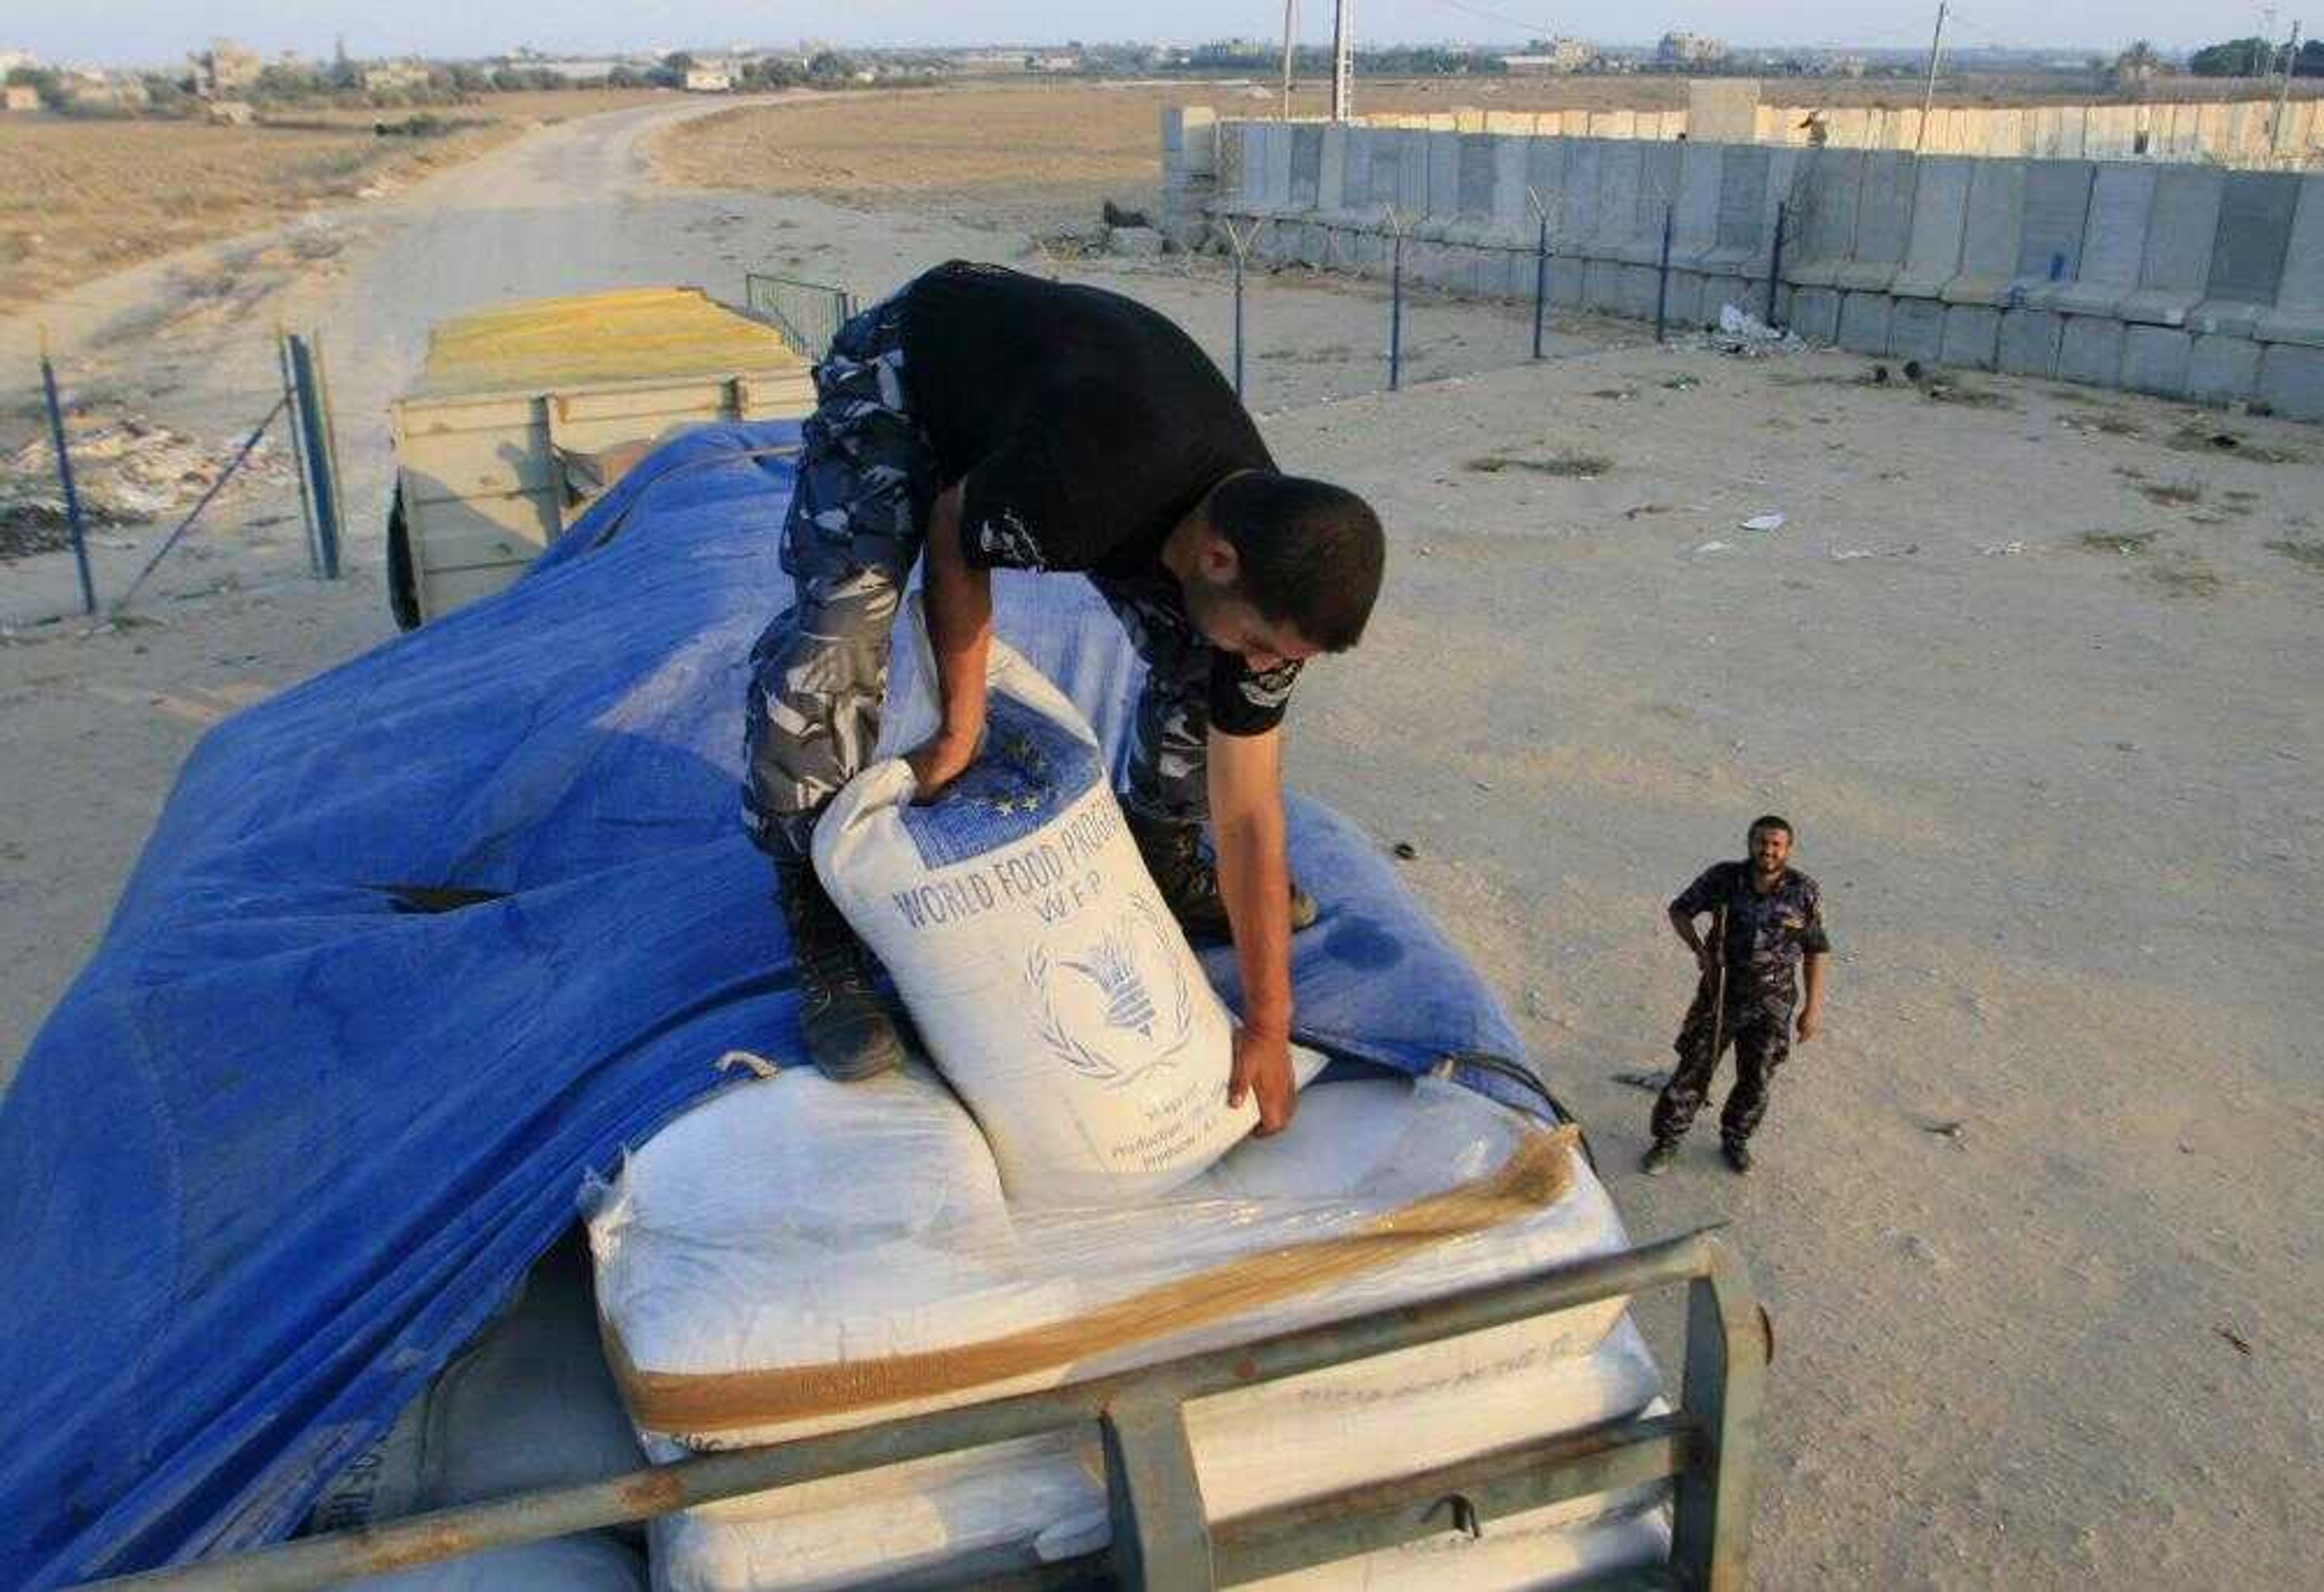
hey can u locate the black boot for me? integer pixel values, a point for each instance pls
(1658, 1157)
(849, 1034)
(1739, 1155)
(1189, 881)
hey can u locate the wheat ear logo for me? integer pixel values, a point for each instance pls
(1110, 970)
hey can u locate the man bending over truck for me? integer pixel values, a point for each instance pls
(992, 419)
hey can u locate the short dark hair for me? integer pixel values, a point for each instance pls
(1311, 553)
(1768, 820)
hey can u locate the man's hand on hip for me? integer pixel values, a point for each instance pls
(1262, 1067)
(1810, 1025)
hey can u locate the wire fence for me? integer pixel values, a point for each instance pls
(302, 408)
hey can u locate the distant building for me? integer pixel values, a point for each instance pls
(1690, 49)
(10, 59)
(1053, 64)
(20, 96)
(396, 77)
(103, 90)
(1563, 55)
(709, 79)
(225, 70)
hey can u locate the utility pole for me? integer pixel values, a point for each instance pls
(1290, 31)
(1343, 51)
(2291, 65)
(1929, 97)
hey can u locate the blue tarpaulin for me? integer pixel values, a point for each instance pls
(287, 1143)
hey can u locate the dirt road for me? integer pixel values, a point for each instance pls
(2035, 675)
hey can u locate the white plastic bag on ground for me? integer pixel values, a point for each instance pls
(1051, 984)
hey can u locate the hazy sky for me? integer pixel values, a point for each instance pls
(131, 31)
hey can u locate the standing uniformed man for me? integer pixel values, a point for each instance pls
(1767, 918)
(980, 419)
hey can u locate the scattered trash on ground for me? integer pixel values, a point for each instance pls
(1651, 1082)
(128, 471)
(1950, 1130)
(1711, 546)
(2007, 549)
(1406, 850)
(2236, 1339)
(1683, 383)
(1764, 523)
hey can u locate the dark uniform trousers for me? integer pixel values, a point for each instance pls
(1758, 1025)
(857, 516)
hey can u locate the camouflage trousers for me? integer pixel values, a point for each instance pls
(858, 516)
(1758, 1025)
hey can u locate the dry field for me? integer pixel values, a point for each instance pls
(79, 198)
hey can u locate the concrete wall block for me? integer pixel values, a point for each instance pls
(2180, 240)
(1916, 330)
(1659, 169)
(1568, 277)
(1411, 195)
(1621, 171)
(2114, 240)
(1685, 307)
(1601, 286)
(1306, 184)
(2292, 380)
(2298, 313)
(2055, 215)
(2222, 369)
(1473, 198)
(1545, 177)
(1385, 167)
(1972, 337)
(1696, 230)
(1996, 211)
(1332, 170)
(1508, 203)
(2256, 210)
(2154, 360)
(1866, 320)
(2089, 350)
(1444, 158)
(2029, 342)
(1743, 203)
(1829, 190)
(1577, 196)
(1190, 139)
(1815, 313)
(1639, 287)
(1933, 249)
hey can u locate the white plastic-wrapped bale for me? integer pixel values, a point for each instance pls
(1053, 987)
(867, 1268)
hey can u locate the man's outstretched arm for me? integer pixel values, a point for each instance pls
(1246, 791)
(960, 632)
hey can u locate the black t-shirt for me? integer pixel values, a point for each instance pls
(1083, 427)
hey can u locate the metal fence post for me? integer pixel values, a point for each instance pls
(315, 440)
(297, 454)
(1775, 259)
(1237, 322)
(65, 477)
(1396, 313)
(1661, 277)
(1540, 285)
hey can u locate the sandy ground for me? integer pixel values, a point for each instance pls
(2039, 687)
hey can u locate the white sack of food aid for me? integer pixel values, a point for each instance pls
(1051, 984)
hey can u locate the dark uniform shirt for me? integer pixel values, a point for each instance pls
(1082, 426)
(1766, 935)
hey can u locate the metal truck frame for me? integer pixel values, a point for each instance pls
(1162, 1539)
